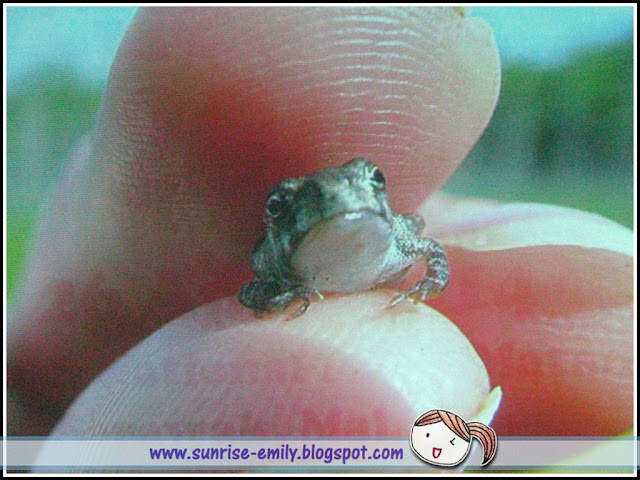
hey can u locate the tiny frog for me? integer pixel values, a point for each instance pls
(334, 231)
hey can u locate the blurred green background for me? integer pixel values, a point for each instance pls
(562, 135)
(562, 132)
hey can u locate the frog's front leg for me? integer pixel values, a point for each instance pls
(436, 276)
(268, 296)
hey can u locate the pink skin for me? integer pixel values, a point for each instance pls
(157, 215)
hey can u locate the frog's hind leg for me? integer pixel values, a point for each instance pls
(285, 299)
(436, 277)
(268, 296)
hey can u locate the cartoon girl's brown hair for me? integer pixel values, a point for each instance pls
(465, 430)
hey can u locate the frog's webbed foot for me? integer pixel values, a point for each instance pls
(436, 277)
(268, 297)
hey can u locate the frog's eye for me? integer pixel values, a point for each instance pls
(274, 206)
(377, 178)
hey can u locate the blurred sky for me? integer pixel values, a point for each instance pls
(87, 37)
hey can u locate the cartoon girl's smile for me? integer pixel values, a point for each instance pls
(436, 452)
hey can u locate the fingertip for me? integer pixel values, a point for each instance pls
(348, 366)
(258, 97)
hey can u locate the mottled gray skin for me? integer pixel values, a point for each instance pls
(333, 230)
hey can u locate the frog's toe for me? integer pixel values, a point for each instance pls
(301, 309)
(421, 291)
(404, 296)
(396, 300)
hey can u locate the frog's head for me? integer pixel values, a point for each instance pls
(334, 224)
(351, 191)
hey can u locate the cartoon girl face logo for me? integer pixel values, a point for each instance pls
(443, 438)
